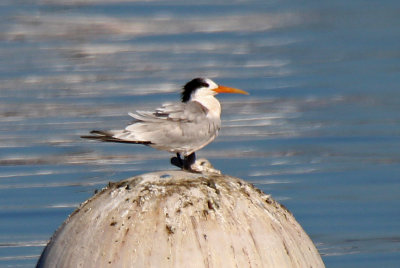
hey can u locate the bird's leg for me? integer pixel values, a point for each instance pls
(188, 161)
(180, 161)
(177, 161)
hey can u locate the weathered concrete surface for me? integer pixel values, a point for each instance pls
(180, 219)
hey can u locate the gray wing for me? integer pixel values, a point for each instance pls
(174, 127)
(183, 112)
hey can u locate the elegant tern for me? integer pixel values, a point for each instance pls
(181, 128)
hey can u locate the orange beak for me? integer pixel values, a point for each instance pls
(223, 89)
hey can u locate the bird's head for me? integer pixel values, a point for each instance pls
(205, 87)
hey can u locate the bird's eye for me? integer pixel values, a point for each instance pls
(205, 85)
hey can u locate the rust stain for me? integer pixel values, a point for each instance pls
(169, 229)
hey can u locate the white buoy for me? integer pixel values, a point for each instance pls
(180, 219)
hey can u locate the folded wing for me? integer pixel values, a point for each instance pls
(174, 127)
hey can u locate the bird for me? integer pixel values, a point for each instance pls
(181, 128)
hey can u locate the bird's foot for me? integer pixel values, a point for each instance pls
(176, 161)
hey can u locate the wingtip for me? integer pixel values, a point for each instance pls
(90, 137)
(98, 132)
(97, 135)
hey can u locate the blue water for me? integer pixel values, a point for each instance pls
(320, 131)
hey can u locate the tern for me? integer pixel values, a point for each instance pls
(181, 128)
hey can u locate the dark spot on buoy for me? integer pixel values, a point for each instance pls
(188, 203)
(121, 184)
(169, 229)
(245, 192)
(286, 248)
(257, 190)
(113, 223)
(211, 184)
(285, 208)
(210, 204)
(205, 213)
(75, 212)
(138, 201)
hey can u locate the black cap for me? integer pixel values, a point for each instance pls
(191, 87)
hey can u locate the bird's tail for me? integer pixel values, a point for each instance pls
(108, 136)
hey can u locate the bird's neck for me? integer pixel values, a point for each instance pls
(211, 104)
